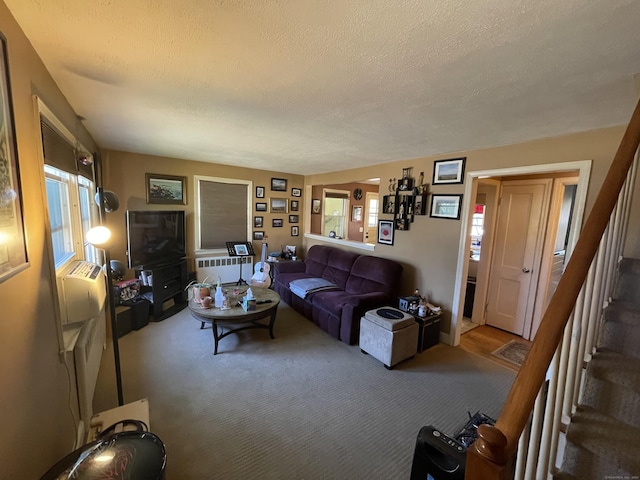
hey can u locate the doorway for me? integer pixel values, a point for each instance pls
(582, 168)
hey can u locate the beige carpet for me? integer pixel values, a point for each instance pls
(302, 406)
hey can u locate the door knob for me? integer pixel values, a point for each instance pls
(525, 270)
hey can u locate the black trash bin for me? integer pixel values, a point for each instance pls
(134, 455)
(437, 456)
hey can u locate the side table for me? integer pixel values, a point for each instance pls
(429, 331)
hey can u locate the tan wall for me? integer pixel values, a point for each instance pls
(429, 250)
(37, 426)
(125, 175)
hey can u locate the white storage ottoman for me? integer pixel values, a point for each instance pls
(389, 335)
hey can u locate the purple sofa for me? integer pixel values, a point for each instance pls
(363, 282)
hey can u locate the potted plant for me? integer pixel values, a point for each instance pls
(199, 290)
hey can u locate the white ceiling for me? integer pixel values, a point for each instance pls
(311, 86)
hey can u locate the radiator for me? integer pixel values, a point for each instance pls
(87, 355)
(225, 269)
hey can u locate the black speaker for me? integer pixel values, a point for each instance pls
(437, 456)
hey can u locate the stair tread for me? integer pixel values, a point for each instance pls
(617, 401)
(580, 463)
(620, 337)
(603, 435)
(616, 368)
(623, 312)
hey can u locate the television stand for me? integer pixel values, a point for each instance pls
(167, 290)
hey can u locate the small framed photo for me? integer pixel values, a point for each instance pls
(261, 207)
(315, 205)
(296, 192)
(241, 249)
(293, 218)
(385, 232)
(277, 222)
(294, 231)
(279, 184)
(294, 205)
(449, 171)
(259, 192)
(278, 205)
(356, 214)
(258, 222)
(445, 206)
(258, 235)
(166, 189)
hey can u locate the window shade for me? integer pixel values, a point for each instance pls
(336, 195)
(59, 153)
(223, 213)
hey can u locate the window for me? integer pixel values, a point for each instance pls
(69, 191)
(70, 215)
(223, 212)
(336, 212)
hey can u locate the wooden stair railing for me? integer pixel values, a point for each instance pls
(491, 455)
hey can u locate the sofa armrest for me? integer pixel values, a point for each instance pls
(354, 309)
(289, 267)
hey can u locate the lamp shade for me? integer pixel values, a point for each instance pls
(109, 200)
(99, 236)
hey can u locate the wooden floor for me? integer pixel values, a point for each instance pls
(483, 340)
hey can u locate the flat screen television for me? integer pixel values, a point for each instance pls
(155, 237)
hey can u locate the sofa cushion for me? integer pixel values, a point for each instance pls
(374, 274)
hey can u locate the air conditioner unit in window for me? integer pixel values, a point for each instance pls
(82, 292)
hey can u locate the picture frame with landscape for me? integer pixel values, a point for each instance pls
(166, 189)
(278, 205)
(449, 171)
(279, 184)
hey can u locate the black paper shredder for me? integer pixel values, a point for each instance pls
(437, 456)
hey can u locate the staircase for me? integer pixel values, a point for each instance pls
(603, 438)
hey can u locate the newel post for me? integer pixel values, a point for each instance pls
(487, 457)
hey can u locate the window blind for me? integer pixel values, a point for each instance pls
(59, 153)
(223, 213)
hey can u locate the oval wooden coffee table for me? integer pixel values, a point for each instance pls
(235, 319)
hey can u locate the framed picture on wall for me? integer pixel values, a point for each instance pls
(445, 206)
(449, 171)
(296, 192)
(315, 205)
(279, 184)
(258, 235)
(385, 232)
(278, 205)
(166, 189)
(13, 244)
(294, 231)
(293, 218)
(277, 222)
(259, 192)
(294, 205)
(258, 222)
(261, 207)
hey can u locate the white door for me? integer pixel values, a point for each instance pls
(518, 243)
(372, 205)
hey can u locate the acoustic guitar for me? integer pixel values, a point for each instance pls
(261, 277)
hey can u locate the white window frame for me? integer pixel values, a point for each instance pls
(81, 249)
(196, 201)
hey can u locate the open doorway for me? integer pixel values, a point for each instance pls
(481, 182)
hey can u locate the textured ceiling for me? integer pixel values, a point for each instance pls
(311, 86)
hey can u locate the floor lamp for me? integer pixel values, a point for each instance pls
(100, 237)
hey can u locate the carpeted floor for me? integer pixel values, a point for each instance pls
(302, 406)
